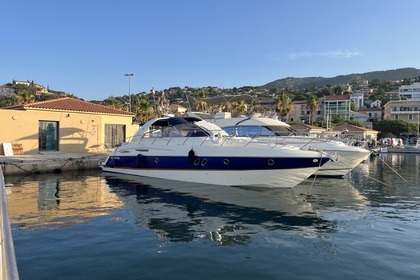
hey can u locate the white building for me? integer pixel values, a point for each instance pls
(410, 92)
(357, 99)
(7, 91)
(376, 104)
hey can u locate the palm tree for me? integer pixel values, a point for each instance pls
(143, 109)
(25, 96)
(115, 103)
(201, 106)
(284, 105)
(226, 107)
(255, 107)
(239, 107)
(312, 104)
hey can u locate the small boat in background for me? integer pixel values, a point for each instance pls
(193, 150)
(271, 130)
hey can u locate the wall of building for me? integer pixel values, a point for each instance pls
(407, 110)
(78, 132)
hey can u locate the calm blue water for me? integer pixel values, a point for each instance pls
(91, 226)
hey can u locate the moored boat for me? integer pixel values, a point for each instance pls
(270, 130)
(178, 149)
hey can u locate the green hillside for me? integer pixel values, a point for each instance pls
(392, 75)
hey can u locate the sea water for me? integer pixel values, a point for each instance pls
(90, 225)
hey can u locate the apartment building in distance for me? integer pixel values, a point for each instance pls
(406, 110)
(409, 91)
(301, 113)
(7, 91)
(337, 105)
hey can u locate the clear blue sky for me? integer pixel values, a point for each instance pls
(85, 46)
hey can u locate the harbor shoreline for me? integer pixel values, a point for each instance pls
(50, 162)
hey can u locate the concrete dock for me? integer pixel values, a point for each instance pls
(50, 162)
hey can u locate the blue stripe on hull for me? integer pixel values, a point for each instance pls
(210, 163)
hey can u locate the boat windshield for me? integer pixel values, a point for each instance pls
(259, 131)
(168, 129)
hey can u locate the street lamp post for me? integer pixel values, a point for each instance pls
(129, 91)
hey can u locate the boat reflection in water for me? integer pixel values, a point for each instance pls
(182, 212)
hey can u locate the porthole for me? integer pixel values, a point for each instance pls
(204, 162)
(315, 160)
(226, 161)
(196, 161)
(270, 162)
(156, 160)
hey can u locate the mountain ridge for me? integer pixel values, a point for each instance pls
(306, 82)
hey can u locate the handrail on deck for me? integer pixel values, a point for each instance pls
(8, 264)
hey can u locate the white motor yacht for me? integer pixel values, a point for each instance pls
(178, 149)
(270, 130)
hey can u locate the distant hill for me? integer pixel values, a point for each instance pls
(392, 75)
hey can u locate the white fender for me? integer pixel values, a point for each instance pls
(216, 137)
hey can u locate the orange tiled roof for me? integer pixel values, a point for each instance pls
(351, 127)
(72, 104)
(306, 126)
(337, 97)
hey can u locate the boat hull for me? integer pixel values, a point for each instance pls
(278, 178)
(344, 163)
(274, 171)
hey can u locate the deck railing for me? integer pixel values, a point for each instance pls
(8, 264)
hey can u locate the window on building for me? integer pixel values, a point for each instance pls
(114, 135)
(47, 136)
(410, 117)
(395, 117)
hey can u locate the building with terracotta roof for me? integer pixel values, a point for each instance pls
(7, 91)
(306, 129)
(356, 132)
(301, 113)
(65, 125)
(337, 105)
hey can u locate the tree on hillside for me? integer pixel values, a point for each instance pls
(226, 107)
(201, 106)
(337, 119)
(239, 107)
(143, 109)
(25, 94)
(338, 90)
(255, 106)
(116, 103)
(312, 104)
(395, 127)
(8, 101)
(284, 105)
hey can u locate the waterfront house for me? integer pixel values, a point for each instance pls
(406, 110)
(356, 132)
(301, 113)
(65, 125)
(306, 129)
(337, 105)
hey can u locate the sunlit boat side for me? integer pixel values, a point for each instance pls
(178, 149)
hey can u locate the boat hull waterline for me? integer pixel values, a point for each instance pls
(267, 178)
(229, 171)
